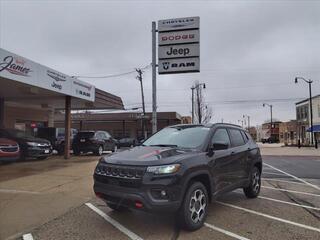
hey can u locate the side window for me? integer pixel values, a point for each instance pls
(221, 136)
(107, 135)
(98, 135)
(236, 137)
(245, 136)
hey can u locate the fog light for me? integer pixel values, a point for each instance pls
(163, 193)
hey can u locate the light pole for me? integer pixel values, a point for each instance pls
(269, 105)
(310, 103)
(197, 87)
(247, 116)
(241, 122)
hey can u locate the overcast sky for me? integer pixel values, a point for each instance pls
(250, 50)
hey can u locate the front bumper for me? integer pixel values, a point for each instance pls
(143, 195)
(39, 151)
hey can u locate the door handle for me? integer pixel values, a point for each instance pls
(232, 153)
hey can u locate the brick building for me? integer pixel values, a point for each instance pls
(288, 132)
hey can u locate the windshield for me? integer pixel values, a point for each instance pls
(191, 137)
(18, 133)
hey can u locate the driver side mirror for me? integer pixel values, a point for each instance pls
(220, 146)
(217, 146)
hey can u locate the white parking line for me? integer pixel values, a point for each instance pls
(285, 202)
(280, 180)
(299, 179)
(225, 232)
(113, 222)
(278, 174)
(27, 236)
(292, 191)
(289, 203)
(271, 217)
(17, 191)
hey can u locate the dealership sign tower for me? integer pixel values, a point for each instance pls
(178, 51)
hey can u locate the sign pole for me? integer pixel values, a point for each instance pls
(154, 78)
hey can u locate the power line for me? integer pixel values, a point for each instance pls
(113, 75)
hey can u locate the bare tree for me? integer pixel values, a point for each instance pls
(203, 112)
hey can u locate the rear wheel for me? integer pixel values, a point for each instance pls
(115, 148)
(193, 211)
(117, 207)
(253, 190)
(76, 152)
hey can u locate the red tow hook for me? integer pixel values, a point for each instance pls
(138, 204)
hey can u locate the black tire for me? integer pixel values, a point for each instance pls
(42, 158)
(117, 207)
(76, 152)
(99, 150)
(194, 208)
(253, 190)
(115, 148)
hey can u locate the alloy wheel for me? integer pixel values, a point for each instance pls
(256, 182)
(197, 205)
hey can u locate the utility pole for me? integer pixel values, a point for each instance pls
(269, 105)
(139, 77)
(198, 88)
(154, 78)
(192, 89)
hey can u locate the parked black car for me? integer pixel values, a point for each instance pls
(93, 141)
(30, 147)
(181, 169)
(56, 136)
(127, 142)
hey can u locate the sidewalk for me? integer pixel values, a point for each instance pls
(280, 150)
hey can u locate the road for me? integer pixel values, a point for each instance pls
(59, 204)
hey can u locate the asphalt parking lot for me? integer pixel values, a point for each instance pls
(53, 199)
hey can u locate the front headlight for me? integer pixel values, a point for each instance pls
(32, 144)
(164, 169)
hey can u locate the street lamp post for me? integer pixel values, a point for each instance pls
(310, 103)
(269, 105)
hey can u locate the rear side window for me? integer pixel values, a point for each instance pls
(85, 134)
(236, 137)
(221, 136)
(245, 136)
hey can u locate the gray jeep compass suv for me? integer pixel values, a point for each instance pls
(181, 169)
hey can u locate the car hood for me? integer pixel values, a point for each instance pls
(33, 139)
(6, 141)
(146, 156)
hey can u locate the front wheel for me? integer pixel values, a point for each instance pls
(99, 151)
(194, 208)
(253, 190)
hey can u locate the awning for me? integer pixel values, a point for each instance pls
(315, 128)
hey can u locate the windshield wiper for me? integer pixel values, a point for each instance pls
(163, 145)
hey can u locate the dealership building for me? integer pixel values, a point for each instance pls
(122, 124)
(31, 93)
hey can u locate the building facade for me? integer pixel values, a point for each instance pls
(304, 120)
(288, 132)
(120, 125)
(271, 131)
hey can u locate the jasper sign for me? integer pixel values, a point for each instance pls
(179, 45)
